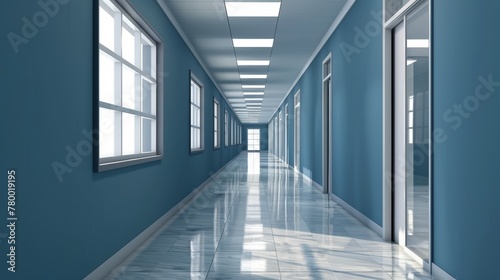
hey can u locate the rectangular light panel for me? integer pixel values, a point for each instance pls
(253, 62)
(253, 43)
(253, 86)
(254, 99)
(253, 76)
(253, 9)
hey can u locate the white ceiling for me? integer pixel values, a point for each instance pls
(297, 32)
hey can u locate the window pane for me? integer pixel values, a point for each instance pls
(128, 41)
(109, 133)
(130, 129)
(107, 27)
(192, 114)
(198, 117)
(107, 79)
(147, 97)
(148, 56)
(148, 135)
(130, 89)
(196, 96)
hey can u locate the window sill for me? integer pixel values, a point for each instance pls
(125, 163)
(196, 152)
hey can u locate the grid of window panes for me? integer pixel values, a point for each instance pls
(216, 125)
(127, 86)
(226, 128)
(253, 139)
(195, 116)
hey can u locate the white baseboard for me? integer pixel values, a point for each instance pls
(351, 210)
(104, 269)
(316, 185)
(358, 215)
(439, 274)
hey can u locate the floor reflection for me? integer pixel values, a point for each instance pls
(256, 219)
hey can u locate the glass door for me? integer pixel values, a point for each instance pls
(411, 158)
(253, 140)
(418, 124)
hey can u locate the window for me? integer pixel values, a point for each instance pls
(226, 128)
(253, 139)
(232, 131)
(196, 115)
(237, 133)
(128, 93)
(216, 124)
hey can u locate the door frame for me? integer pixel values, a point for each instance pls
(387, 124)
(286, 133)
(327, 126)
(296, 131)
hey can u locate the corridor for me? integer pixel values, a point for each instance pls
(256, 219)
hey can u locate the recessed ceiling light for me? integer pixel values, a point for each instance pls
(254, 104)
(417, 43)
(253, 93)
(253, 62)
(253, 43)
(253, 76)
(236, 100)
(253, 9)
(253, 86)
(253, 99)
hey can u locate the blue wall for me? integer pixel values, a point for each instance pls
(264, 137)
(466, 178)
(67, 229)
(357, 111)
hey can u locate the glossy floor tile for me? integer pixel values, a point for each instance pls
(256, 219)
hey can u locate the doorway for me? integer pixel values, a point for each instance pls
(296, 131)
(281, 137)
(286, 134)
(411, 158)
(253, 140)
(327, 129)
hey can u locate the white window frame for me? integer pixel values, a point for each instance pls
(145, 112)
(216, 124)
(232, 130)
(196, 113)
(226, 128)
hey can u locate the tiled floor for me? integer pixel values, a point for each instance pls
(257, 220)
